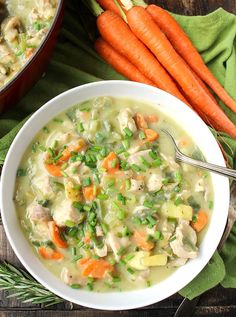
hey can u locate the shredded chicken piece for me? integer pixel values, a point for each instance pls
(38, 213)
(101, 252)
(65, 211)
(154, 182)
(10, 28)
(135, 158)
(136, 185)
(184, 246)
(126, 121)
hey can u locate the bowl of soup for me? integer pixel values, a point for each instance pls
(28, 33)
(95, 205)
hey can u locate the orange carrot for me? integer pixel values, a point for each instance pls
(140, 239)
(83, 261)
(186, 49)
(140, 121)
(96, 268)
(145, 28)
(121, 64)
(54, 170)
(56, 236)
(109, 161)
(66, 154)
(49, 253)
(111, 5)
(151, 118)
(90, 192)
(202, 220)
(151, 135)
(117, 33)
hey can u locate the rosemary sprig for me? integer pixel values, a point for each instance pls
(22, 286)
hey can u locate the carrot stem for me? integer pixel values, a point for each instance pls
(93, 6)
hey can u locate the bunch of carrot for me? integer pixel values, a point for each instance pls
(145, 44)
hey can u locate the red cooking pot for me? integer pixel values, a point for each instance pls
(30, 73)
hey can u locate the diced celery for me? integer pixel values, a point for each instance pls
(135, 262)
(170, 210)
(154, 260)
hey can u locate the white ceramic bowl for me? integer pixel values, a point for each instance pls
(194, 127)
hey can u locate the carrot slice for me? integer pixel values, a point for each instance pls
(54, 170)
(49, 254)
(151, 118)
(56, 237)
(151, 135)
(66, 154)
(90, 192)
(140, 239)
(108, 163)
(140, 121)
(202, 220)
(96, 268)
(84, 261)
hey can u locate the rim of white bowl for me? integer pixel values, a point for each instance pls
(114, 300)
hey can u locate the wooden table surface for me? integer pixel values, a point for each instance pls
(218, 302)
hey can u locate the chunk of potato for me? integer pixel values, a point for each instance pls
(135, 262)
(72, 193)
(181, 211)
(154, 260)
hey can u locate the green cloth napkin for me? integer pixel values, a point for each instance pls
(75, 63)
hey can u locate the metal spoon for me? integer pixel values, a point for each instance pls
(179, 156)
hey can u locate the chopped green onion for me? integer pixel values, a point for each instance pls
(87, 182)
(128, 257)
(144, 161)
(122, 262)
(120, 150)
(58, 120)
(77, 205)
(127, 184)
(77, 258)
(116, 279)
(114, 163)
(128, 132)
(137, 221)
(105, 228)
(72, 232)
(45, 130)
(21, 172)
(178, 177)
(64, 174)
(69, 223)
(75, 286)
(135, 168)
(121, 198)
(126, 144)
(142, 135)
(121, 250)
(148, 204)
(178, 201)
(194, 218)
(153, 155)
(210, 204)
(121, 214)
(111, 182)
(80, 127)
(131, 271)
(148, 283)
(157, 162)
(173, 238)
(152, 221)
(73, 251)
(157, 235)
(102, 196)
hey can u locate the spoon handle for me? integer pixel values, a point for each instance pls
(228, 172)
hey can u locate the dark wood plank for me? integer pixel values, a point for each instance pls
(214, 303)
(197, 7)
